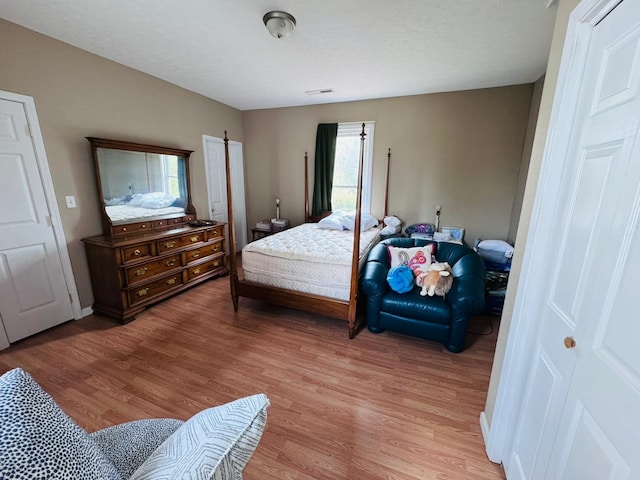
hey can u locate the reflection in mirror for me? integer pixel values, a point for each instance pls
(141, 185)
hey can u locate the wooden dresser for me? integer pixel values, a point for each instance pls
(129, 273)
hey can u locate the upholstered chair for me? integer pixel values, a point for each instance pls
(436, 318)
(38, 440)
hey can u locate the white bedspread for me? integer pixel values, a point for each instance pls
(118, 213)
(307, 259)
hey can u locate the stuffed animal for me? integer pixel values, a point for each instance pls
(437, 280)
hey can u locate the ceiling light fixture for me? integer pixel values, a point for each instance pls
(279, 24)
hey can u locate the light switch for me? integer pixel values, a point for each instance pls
(71, 201)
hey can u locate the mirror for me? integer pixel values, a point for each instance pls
(139, 183)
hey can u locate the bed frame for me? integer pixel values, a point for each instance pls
(332, 307)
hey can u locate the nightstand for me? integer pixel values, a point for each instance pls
(260, 232)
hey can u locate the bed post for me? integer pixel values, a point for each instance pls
(233, 277)
(353, 294)
(306, 188)
(386, 188)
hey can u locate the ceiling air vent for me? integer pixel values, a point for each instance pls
(319, 92)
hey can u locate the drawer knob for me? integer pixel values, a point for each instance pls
(216, 263)
(124, 229)
(143, 225)
(141, 271)
(142, 292)
(194, 238)
(136, 252)
(170, 263)
(171, 281)
(196, 271)
(170, 244)
(195, 254)
(216, 248)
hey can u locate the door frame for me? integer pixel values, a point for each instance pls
(242, 236)
(52, 204)
(522, 332)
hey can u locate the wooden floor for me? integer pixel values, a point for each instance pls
(383, 406)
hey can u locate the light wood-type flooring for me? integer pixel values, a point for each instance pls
(384, 406)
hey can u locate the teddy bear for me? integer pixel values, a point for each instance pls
(437, 280)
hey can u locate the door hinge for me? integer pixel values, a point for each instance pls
(29, 130)
(70, 299)
(50, 221)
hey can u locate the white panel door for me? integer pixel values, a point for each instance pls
(217, 185)
(33, 293)
(581, 414)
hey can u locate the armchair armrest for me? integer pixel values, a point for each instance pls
(374, 279)
(465, 298)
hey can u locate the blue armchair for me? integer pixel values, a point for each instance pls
(436, 318)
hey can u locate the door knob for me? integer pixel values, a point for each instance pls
(569, 342)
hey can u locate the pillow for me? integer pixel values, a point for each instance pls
(367, 221)
(400, 279)
(498, 246)
(392, 221)
(417, 259)
(157, 200)
(152, 200)
(214, 444)
(389, 230)
(38, 440)
(332, 222)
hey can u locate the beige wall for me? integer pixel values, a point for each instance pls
(78, 94)
(564, 9)
(526, 157)
(461, 150)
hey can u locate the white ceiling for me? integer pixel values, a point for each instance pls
(362, 49)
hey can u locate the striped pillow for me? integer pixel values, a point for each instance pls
(213, 444)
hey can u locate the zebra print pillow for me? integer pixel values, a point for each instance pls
(213, 444)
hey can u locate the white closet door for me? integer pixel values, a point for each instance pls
(34, 294)
(581, 414)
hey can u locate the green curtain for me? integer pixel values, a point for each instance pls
(182, 177)
(325, 159)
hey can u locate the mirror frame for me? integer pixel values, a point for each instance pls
(142, 224)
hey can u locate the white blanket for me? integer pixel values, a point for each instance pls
(307, 259)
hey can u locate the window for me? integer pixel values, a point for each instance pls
(345, 170)
(170, 175)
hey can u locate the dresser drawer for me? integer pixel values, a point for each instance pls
(215, 232)
(204, 251)
(150, 290)
(177, 243)
(211, 265)
(136, 252)
(179, 220)
(132, 228)
(148, 270)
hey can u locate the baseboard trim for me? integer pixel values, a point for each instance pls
(485, 429)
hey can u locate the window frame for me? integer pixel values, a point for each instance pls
(352, 129)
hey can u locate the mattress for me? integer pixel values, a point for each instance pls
(307, 259)
(119, 213)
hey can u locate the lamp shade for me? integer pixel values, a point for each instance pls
(279, 24)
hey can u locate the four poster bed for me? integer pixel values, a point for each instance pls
(306, 267)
